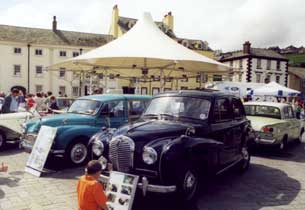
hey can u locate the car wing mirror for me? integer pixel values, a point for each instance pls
(190, 131)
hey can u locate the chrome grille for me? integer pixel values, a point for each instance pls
(121, 151)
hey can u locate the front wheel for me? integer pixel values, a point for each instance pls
(245, 161)
(2, 140)
(188, 185)
(77, 153)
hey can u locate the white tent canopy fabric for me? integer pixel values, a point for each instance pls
(274, 89)
(144, 46)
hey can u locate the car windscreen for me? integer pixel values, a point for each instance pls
(181, 107)
(263, 111)
(83, 106)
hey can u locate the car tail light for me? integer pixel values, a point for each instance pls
(267, 130)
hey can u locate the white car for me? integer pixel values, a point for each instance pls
(11, 125)
(274, 123)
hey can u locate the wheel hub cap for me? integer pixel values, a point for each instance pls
(78, 153)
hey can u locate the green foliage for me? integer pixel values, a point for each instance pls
(296, 59)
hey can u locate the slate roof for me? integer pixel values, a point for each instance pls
(49, 37)
(258, 52)
(127, 23)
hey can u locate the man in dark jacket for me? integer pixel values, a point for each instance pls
(10, 104)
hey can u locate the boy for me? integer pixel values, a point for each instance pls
(89, 191)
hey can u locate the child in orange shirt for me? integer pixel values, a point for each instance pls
(90, 192)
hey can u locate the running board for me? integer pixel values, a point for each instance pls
(229, 166)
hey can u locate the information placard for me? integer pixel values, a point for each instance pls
(121, 190)
(40, 150)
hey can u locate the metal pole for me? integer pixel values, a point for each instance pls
(29, 67)
(161, 80)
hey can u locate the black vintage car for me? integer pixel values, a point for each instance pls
(181, 137)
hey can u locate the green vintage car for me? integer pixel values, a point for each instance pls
(274, 123)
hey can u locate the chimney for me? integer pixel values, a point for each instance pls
(114, 28)
(169, 20)
(54, 28)
(247, 47)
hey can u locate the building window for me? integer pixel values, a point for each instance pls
(155, 90)
(62, 90)
(62, 53)
(75, 54)
(17, 50)
(259, 63)
(239, 77)
(241, 64)
(231, 63)
(75, 91)
(38, 52)
(183, 88)
(17, 70)
(143, 90)
(38, 88)
(278, 79)
(278, 65)
(268, 78)
(38, 71)
(268, 64)
(258, 78)
(217, 77)
(62, 72)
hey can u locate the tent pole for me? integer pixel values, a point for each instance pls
(161, 80)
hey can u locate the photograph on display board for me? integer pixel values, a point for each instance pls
(120, 190)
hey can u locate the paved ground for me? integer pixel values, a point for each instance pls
(274, 181)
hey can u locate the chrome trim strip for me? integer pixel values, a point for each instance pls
(229, 166)
(265, 141)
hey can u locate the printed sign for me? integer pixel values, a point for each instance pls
(40, 150)
(121, 190)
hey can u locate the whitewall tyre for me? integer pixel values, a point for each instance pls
(78, 153)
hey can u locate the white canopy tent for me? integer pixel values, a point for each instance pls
(145, 47)
(274, 89)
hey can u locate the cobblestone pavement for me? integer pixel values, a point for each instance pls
(274, 181)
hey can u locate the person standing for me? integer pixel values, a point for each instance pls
(53, 104)
(39, 102)
(11, 104)
(90, 192)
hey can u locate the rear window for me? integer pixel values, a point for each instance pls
(263, 111)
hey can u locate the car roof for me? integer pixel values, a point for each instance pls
(196, 93)
(111, 97)
(266, 103)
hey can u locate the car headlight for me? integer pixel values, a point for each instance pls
(103, 161)
(149, 155)
(98, 148)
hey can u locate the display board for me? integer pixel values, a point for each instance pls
(121, 190)
(40, 150)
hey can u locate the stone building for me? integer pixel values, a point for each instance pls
(256, 65)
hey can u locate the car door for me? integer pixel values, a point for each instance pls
(295, 124)
(238, 123)
(113, 114)
(221, 130)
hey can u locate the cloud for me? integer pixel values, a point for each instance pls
(224, 24)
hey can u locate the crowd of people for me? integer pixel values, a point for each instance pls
(16, 100)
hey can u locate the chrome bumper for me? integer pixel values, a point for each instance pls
(146, 187)
(265, 141)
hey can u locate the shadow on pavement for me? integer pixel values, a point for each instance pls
(260, 187)
(10, 181)
(295, 152)
(10, 149)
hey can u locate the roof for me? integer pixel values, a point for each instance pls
(111, 97)
(258, 52)
(127, 23)
(298, 71)
(264, 103)
(50, 37)
(195, 93)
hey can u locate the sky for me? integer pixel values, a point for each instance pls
(224, 24)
